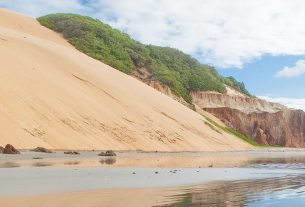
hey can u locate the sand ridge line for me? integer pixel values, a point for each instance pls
(91, 84)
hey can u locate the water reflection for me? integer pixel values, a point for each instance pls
(278, 160)
(9, 165)
(256, 193)
(72, 163)
(168, 160)
(108, 160)
(296, 163)
(42, 164)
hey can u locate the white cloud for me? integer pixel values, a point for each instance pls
(293, 103)
(297, 70)
(224, 33)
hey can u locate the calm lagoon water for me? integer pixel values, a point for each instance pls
(282, 191)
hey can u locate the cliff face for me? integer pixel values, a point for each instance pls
(240, 102)
(285, 128)
(265, 122)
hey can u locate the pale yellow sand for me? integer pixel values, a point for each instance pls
(51, 95)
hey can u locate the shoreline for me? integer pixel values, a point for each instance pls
(254, 149)
(43, 181)
(148, 159)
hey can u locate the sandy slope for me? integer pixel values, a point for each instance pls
(54, 96)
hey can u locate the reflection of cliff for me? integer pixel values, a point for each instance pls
(236, 193)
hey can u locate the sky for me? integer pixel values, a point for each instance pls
(259, 42)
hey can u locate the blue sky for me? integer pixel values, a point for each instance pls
(260, 76)
(263, 46)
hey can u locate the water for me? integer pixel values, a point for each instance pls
(283, 191)
(248, 179)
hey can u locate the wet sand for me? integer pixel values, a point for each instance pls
(153, 159)
(155, 178)
(33, 181)
(105, 198)
(215, 194)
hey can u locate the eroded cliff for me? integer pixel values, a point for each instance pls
(265, 122)
(240, 102)
(284, 128)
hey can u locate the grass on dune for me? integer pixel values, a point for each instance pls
(229, 130)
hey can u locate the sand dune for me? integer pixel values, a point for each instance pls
(54, 96)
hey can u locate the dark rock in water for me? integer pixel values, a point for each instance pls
(72, 153)
(107, 153)
(1, 149)
(10, 149)
(42, 149)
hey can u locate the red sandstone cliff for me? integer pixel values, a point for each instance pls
(285, 128)
(265, 122)
(240, 102)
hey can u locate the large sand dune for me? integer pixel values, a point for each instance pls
(54, 96)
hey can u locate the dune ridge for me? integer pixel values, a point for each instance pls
(52, 95)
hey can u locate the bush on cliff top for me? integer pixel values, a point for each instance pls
(179, 71)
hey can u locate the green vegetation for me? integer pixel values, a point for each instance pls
(184, 202)
(179, 71)
(241, 136)
(239, 86)
(231, 131)
(212, 127)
